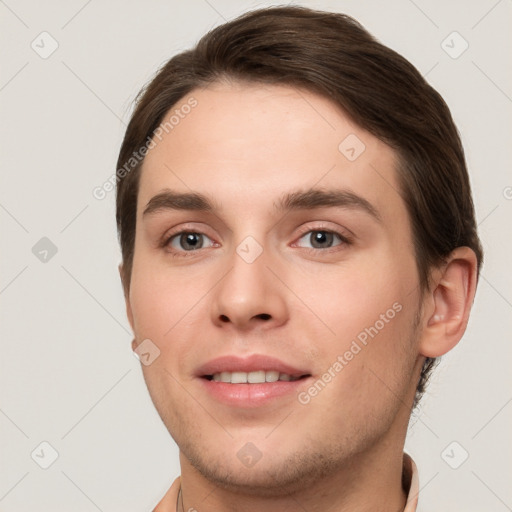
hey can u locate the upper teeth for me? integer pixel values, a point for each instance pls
(252, 377)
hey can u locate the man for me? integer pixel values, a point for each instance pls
(299, 246)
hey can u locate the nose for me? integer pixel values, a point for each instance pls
(251, 294)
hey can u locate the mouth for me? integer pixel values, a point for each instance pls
(254, 377)
(253, 369)
(251, 382)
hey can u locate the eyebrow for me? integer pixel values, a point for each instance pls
(291, 201)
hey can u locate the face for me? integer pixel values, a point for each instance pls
(296, 263)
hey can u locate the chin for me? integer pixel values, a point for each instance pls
(278, 475)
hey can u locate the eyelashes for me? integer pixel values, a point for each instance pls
(176, 242)
(187, 237)
(331, 234)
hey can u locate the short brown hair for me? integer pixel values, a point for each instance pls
(333, 55)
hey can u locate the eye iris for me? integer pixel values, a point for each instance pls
(191, 241)
(321, 237)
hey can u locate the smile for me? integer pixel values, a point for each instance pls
(254, 377)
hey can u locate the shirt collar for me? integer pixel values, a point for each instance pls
(410, 483)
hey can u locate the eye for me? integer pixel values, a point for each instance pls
(186, 241)
(183, 242)
(322, 239)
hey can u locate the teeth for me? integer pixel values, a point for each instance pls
(225, 377)
(238, 378)
(257, 377)
(272, 376)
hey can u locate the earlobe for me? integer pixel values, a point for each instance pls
(452, 297)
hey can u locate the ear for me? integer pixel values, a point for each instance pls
(126, 292)
(448, 305)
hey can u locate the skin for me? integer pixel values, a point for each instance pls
(245, 146)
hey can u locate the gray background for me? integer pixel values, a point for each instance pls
(68, 376)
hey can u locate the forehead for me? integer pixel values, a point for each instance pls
(247, 144)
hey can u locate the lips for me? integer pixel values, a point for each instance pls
(251, 382)
(252, 364)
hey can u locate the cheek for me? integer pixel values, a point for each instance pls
(348, 299)
(161, 301)
(165, 310)
(366, 370)
(171, 309)
(365, 316)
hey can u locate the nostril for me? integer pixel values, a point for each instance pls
(264, 316)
